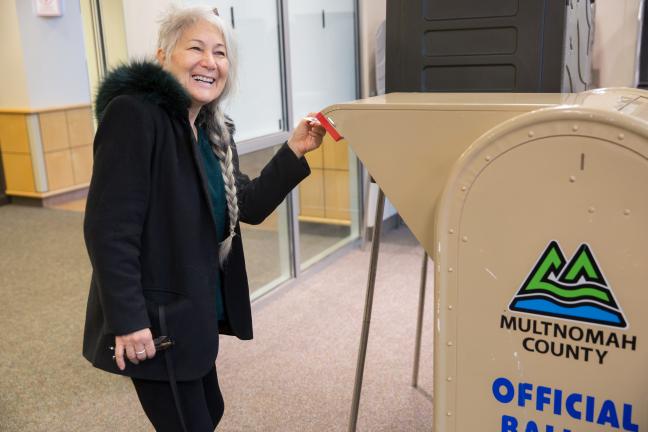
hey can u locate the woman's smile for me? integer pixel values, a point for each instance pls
(204, 79)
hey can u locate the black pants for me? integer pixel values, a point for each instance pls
(201, 400)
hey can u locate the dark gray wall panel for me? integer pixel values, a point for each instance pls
(489, 41)
(471, 45)
(469, 78)
(467, 9)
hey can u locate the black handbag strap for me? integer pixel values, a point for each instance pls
(171, 370)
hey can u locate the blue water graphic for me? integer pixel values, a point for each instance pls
(588, 312)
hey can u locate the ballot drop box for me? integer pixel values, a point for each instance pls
(534, 208)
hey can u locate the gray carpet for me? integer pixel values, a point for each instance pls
(296, 375)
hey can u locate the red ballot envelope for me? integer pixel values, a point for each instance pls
(329, 126)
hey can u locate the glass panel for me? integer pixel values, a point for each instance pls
(114, 32)
(90, 47)
(257, 106)
(328, 198)
(267, 252)
(115, 49)
(327, 28)
(328, 201)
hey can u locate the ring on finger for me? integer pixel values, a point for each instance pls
(140, 352)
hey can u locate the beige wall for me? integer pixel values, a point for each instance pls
(616, 33)
(13, 85)
(54, 57)
(372, 13)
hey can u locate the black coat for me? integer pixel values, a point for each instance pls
(150, 231)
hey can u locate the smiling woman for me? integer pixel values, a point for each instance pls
(162, 220)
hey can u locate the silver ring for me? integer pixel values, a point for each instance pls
(140, 352)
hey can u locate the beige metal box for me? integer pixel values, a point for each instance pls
(534, 208)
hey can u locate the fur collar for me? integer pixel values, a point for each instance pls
(150, 82)
(144, 79)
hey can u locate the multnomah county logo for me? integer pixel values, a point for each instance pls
(576, 290)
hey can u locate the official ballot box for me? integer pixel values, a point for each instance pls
(534, 208)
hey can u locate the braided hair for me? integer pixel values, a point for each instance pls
(218, 127)
(219, 130)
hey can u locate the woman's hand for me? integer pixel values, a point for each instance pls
(307, 136)
(138, 346)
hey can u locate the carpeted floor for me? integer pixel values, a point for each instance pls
(296, 375)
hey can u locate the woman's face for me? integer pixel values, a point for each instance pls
(199, 62)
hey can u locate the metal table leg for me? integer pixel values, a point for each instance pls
(419, 321)
(362, 352)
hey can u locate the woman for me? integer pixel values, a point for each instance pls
(162, 216)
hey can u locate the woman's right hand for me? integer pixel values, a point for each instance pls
(137, 346)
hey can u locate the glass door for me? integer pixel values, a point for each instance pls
(104, 37)
(323, 71)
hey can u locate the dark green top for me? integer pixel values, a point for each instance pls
(219, 205)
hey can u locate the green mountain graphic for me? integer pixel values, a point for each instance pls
(575, 290)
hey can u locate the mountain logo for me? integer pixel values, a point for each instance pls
(574, 290)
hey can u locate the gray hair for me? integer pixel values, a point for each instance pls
(218, 127)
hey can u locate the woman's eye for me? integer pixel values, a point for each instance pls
(220, 54)
(195, 48)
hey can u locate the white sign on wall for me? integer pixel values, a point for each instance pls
(48, 8)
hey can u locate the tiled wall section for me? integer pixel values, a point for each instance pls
(66, 138)
(67, 145)
(16, 156)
